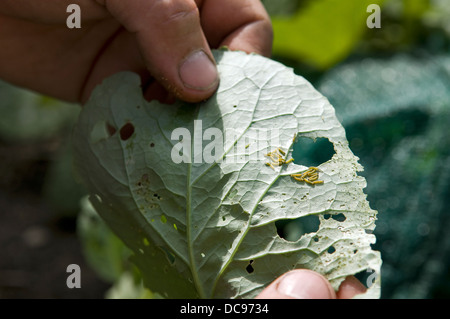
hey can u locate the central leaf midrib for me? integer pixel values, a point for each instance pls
(188, 208)
(193, 266)
(222, 270)
(192, 263)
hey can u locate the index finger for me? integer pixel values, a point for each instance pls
(238, 24)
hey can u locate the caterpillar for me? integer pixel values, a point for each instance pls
(310, 176)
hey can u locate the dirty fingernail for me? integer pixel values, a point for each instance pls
(198, 72)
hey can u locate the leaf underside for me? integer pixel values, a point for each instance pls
(207, 229)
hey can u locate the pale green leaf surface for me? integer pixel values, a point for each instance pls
(195, 228)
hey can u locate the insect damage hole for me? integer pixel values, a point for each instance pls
(367, 277)
(126, 131)
(169, 255)
(102, 130)
(292, 229)
(312, 152)
(249, 267)
(337, 217)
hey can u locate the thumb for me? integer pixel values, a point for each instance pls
(299, 284)
(172, 44)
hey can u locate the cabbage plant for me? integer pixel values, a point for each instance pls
(196, 190)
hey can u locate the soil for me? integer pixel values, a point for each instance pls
(36, 242)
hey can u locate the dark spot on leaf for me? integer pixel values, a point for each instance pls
(366, 277)
(152, 144)
(126, 131)
(111, 129)
(170, 256)
(339, 217)
(249, 267)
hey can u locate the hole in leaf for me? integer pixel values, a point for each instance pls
(311, 152)
(126, 131)
(331, 250)
(367, 277)
(293, 229)
(111, 129)
(152, 144)
(249, 267)
(170, 256)
(101, 130)
(339, 217)
(156, 196)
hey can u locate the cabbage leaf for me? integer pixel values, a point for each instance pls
(195, 190)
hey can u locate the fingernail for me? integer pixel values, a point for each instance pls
(198, 72)
(305, 284)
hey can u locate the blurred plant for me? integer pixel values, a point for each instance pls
(391, 90)
(39, 127)
(27, 116)
(108, 256)
(396, 120)
(438, 15)
(319, 33)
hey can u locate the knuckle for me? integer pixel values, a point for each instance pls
(171, 11)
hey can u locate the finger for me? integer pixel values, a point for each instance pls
(118, 54)
(172, 44)
(299, 284)
(239, 24)
(349, 288)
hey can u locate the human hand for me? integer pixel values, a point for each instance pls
(166, 42)
(307, 284)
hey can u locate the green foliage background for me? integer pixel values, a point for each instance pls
(391, 90)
